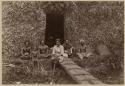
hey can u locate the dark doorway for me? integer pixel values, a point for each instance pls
(54, 28)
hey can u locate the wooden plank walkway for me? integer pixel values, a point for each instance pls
(78, 74)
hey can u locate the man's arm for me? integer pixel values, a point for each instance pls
(53, 50)
(22, 52)
(62, 50)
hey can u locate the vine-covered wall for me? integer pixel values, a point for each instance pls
(21, 21)
(97, 22)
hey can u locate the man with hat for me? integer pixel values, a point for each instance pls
(58, 51)
(67, 47)
(57, 55)
(82, 49)
(43, 50)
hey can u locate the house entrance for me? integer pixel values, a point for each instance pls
(54, 29)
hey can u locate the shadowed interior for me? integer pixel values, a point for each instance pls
(54, 28)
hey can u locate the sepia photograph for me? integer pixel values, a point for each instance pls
(63, 42)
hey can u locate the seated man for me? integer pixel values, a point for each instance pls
(26, 55)
(26, 51)
(58, 51)
(43, 50)
(82, 50)
(67, 47)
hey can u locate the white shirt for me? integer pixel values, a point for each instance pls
(58, 50)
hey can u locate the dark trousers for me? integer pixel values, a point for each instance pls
(56, 63)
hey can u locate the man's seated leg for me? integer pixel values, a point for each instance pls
(61, 58)
(80, 55)
(68, 53)
(65, 55)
